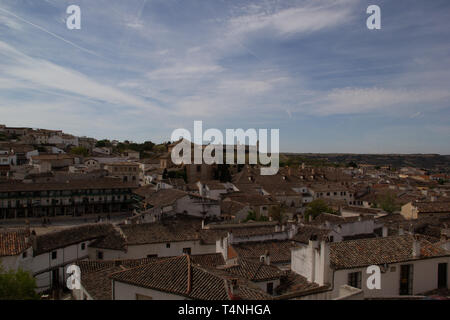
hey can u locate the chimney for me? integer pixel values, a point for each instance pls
(324, 263)
(234, 290)
(416, 248)
(312, 257)
(293, 231)
(265, 258)
(33, 239)
(230, 237)
(385, 231)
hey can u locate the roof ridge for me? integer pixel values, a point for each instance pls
(189, 275)
(147, 264)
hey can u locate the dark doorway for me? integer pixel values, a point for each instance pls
(406, 279)
(442, 275)
(55, 278)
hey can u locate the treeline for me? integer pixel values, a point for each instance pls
(146, 149)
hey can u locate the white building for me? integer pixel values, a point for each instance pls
(409, 265)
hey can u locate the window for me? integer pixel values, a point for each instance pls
(187, 250)
(100, 255)
(354, 279)
(24, 254)
(167, 245)
(83, 246)
(54, 254)
(442, 275)
(152, 256)
(270, 287)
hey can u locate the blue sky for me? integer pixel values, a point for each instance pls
(138, 69)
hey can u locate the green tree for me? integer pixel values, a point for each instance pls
(387, 202)
(316, 207)
(80, 151)
(277, 214)
(252, 216)
(103, 143)
(17, 285)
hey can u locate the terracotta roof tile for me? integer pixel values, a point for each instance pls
(376, 251)
(13, 242)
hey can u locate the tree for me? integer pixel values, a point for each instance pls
(252, 216)
(387, 202)
(80, 151)
(316, 207)
(103, 143)
(17, 285)
(277, 214)
(352, 164)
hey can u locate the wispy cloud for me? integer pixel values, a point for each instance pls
(310, 17)
(37, 74)
(48, 32)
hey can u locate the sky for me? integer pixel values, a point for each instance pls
(139, 69)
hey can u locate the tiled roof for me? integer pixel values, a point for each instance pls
(376, 251)
(279, 251)
(145, 191)
(254, 270)
(54, 240)
(432, 206)
(250, 199)
(113, 241)
(105, 183)
(362, 210)
(88, 266)
(231, 207)
(305, 233)
(95, 275)
(335, 219)
(13, 242)
(210, 260)
(168, 230)
(98, 284)
(294, 283)
(178, 276)
(165, 197)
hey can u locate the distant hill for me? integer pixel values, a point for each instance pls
(433, 162)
